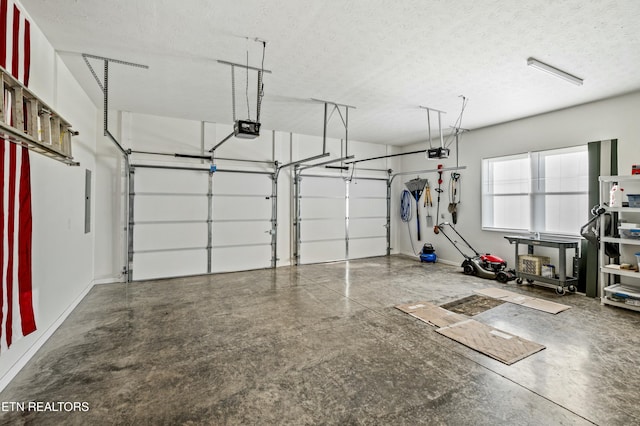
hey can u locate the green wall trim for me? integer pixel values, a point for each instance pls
(614, 157)
(591, 269)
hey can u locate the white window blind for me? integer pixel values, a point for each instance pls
(543, 191)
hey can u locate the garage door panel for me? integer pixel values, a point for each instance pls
(359, 228)
(367, 207)
(367, 247)
(322, 208)
(365, 188)
(169, 236)
(322, 187)
(171, 181)
(170, 208)
(324, 251)
(238, 183)
(330, 229)
(237, 233)
(169, 264)
(241, 258)
(241, 208)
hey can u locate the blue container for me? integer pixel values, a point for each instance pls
(634, 200)
(428, 257)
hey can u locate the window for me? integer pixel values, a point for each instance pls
(544, 191)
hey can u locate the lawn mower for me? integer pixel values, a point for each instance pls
(485, 266)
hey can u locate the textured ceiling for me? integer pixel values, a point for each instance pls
(384, 57)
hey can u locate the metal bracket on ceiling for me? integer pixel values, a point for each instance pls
(457, 129)
(254, 126)
(327, 118)
(260, 71)
(439, 125)
(104, 87)
(233, 64)
(457, 132)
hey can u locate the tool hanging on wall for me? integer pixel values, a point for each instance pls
(428, 203)
(405, 215)
(439, 190)
(416, 186)
(454, 196)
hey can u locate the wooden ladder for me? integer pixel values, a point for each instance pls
(26, 120)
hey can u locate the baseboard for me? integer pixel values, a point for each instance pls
(449, 262)
(444, 261)
(22, 361)
(108, 281)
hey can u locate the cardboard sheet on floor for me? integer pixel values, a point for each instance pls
(431, 314)
(519, 299)
(500, 345)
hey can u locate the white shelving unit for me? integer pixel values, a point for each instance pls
(630, 290)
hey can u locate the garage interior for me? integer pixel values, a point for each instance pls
(247, 213)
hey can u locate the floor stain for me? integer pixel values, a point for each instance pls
(472, 305)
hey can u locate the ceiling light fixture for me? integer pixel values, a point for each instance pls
(532, 62)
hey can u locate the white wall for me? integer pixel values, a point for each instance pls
(63, 261)
(109, 219)
(615, 118)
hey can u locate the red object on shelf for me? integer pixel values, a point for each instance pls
(635, 169)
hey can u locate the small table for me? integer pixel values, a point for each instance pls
(562, 244)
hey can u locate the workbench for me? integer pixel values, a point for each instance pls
(561, 280)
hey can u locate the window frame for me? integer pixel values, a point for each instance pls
(537, 219)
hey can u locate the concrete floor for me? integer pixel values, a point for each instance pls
(322, 344)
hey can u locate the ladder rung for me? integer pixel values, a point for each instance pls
(17, 115)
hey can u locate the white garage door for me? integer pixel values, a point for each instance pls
(322, 214)
(367, 218)
(171, 218)
(241, 222)
(341, 220)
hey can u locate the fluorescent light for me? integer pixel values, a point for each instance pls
(555, 71)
